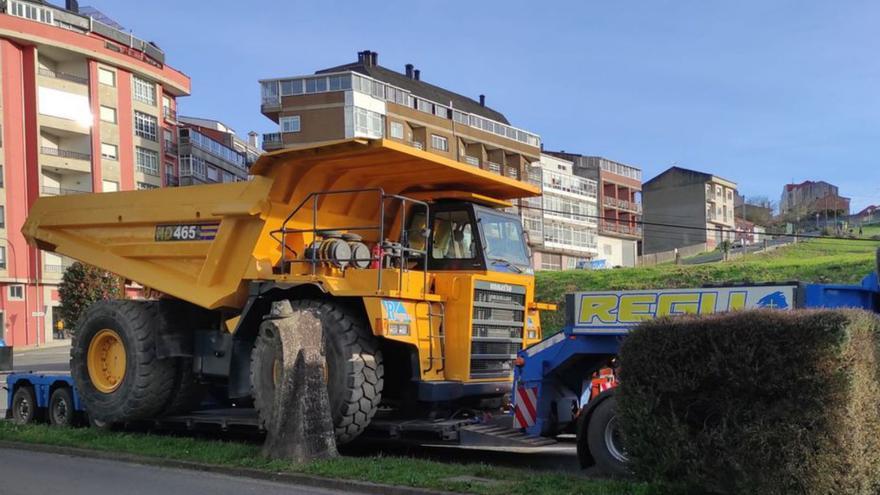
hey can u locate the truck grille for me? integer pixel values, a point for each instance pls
(499, 311)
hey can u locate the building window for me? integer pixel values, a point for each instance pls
(16, 292)
(147, 161)
(551, 261)
(30, 11)
(108, 114)
(142, 186)
(109, 185)
(3, 257)
(1, 175)
(146, 126)
(106, 76)
(439, 143)
(730, 194)
(213, 174)
(144, 91)
(289, 124)
(2, 217)
(109, 151)
(441, 111)
(397, 130)
(425, 106)
(368, 123)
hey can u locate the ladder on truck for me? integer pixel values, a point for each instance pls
(439, 337)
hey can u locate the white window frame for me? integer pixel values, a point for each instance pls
(145, 186)
(2, 257)
(440, 143)
(290, 124)
(146, 126)
(143, 90)
(108, 109)
(110, 156)
(147, 161)
(102, 72)
(12, 297)
(397, 131)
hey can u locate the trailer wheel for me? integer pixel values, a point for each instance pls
(603, 438)
(354, 369)
(61, 410)
(24, 405)
(113, 362)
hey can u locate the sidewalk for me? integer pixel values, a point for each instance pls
(48, 345)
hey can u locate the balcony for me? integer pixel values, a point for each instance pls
(472, 160)
(170, 148)
(169, 115)
(621, 228)
(76, 155)
(270, 105)
(60, 191)
(493, 167)
(171, 180)
(416, 144)
(63, 76)
(622, 204)
(272, 141)
(62, 159)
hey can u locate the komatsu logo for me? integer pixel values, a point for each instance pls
(599, 311)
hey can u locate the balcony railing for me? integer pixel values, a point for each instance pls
(416, 144)
(61, 191)
(493, 167)
(63, 75)
(169, 114)
(472, 160)
(171, 180)
(621, 228)
(622, 204)
(272, 141)
(170, 148)
(76, 155)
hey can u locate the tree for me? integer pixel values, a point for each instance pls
(82, 285)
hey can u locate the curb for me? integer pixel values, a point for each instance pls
(291, 478)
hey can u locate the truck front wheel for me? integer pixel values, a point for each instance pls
(354, 368)
(604, 440)
(113, 362)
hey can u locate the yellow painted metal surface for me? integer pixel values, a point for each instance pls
(105, 360)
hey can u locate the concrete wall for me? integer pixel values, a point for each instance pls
(617, 252)
(675, 199)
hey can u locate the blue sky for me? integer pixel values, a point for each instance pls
(760, 92)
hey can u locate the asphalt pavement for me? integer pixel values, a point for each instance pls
(37, 473)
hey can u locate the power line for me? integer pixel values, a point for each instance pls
(689, 227)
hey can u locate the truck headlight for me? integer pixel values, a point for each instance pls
(398, 328)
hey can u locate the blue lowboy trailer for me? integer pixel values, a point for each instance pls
(566, 382)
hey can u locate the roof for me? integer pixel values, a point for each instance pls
(869, 210)
(420, 88)
(789, 187)
(394, 167)
(704, 176)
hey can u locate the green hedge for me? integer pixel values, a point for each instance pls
(755, 402)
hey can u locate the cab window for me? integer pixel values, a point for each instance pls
(453, 236)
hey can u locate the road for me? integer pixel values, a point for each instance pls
(37, 473)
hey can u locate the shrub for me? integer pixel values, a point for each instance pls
(81, 285)
(755, 402)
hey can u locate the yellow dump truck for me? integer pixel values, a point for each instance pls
(422, 279)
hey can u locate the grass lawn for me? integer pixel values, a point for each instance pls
(819, 260)
(387, 470)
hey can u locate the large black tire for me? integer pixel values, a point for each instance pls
(61, 411)
(354, 368)
(147, 383)
(24, 405)
(604, 441)
(188, 393)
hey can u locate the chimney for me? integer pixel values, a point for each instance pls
(482, 100)
(409, 71)
(72, 5)
(374, 58)
(417, 74)
(361, 57)
(252, 139)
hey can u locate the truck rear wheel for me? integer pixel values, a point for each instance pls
(24, 405)
(113, 362)
(603, 438)
(354, 369)
(61, 410)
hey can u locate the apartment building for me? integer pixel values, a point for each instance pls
(562, 224)
(209, 152)
(808, 199)
(620, 206)
(686, 208)
(85, 105)
(364, 99)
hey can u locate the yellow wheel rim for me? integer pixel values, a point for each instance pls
(106, 361)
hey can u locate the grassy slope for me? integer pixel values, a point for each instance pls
(386, 470)
(821, 260)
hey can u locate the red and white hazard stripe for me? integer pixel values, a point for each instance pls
(525, 412)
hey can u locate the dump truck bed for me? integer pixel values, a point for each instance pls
(202, 243)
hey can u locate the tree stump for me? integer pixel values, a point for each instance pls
(301, 428)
